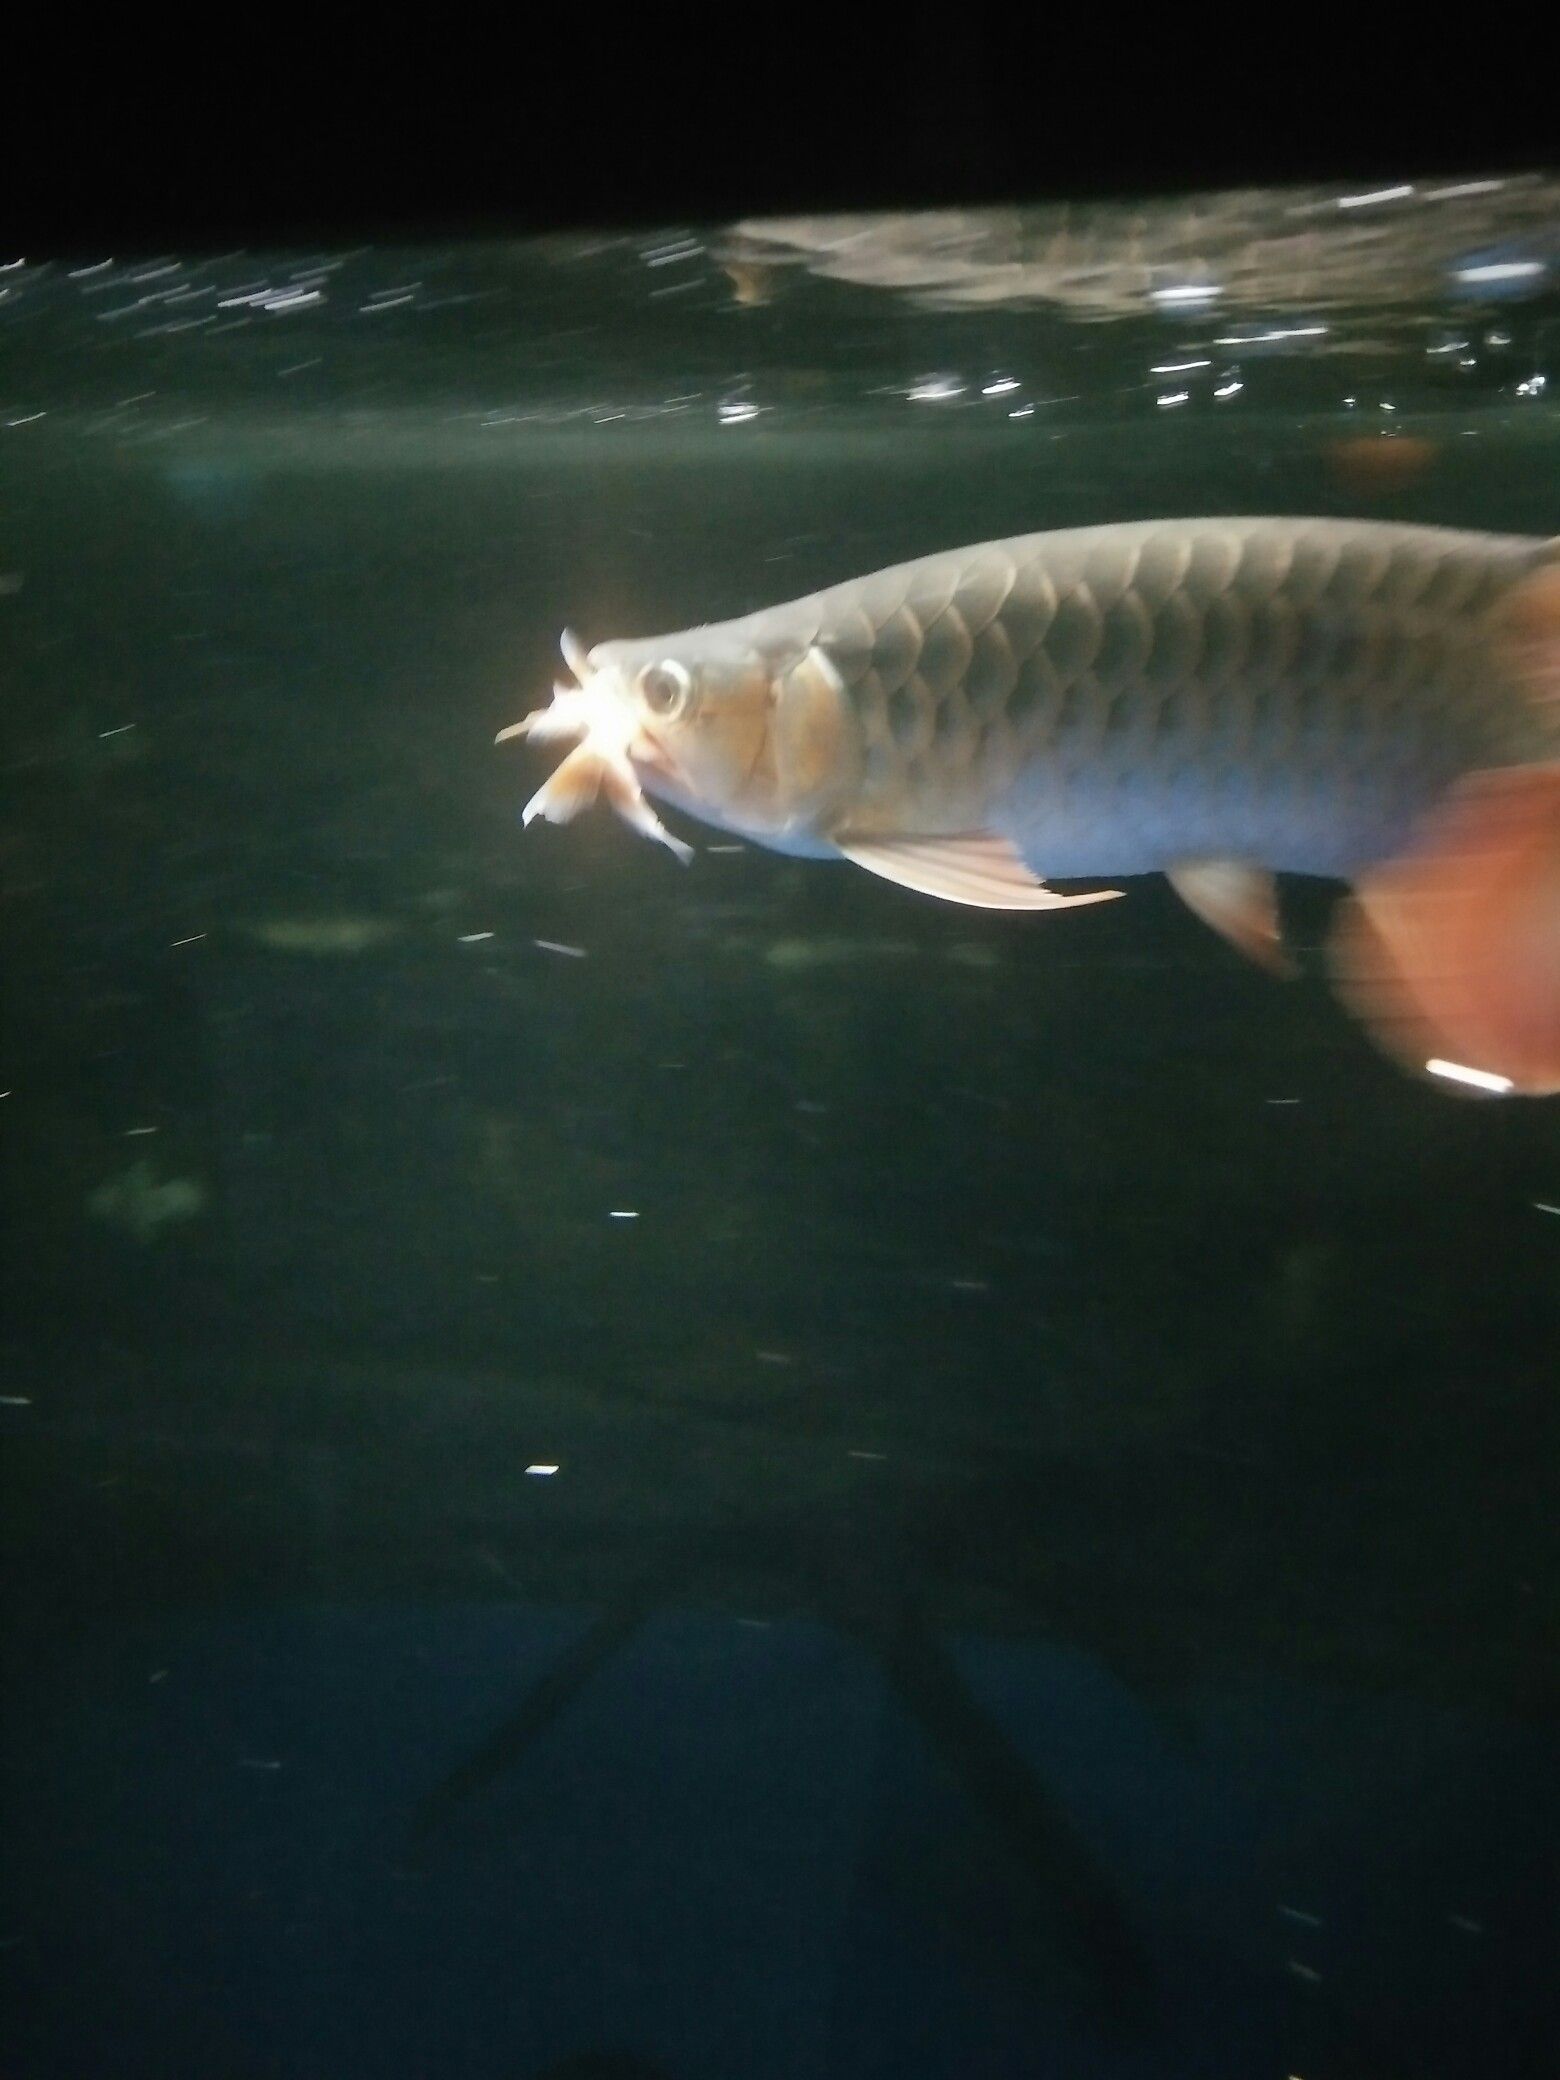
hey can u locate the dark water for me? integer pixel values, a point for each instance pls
(1051, 1565)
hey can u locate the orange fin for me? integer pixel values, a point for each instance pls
(1241, 905)
(980, 869)
(1451, 955)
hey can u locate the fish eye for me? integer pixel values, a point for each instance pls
(665, 688)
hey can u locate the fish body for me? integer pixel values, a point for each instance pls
(1218, 699)
(1117, 699)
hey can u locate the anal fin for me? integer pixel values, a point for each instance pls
(1239, 902)
(978, 868)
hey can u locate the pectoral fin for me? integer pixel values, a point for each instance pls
(979, 869)
(1241, 905)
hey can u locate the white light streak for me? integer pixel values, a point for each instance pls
(1376, 195)
(1228, 389)
(541, 1469)
(935, 390)
(474, 938)
(1186, 292)
(1257, 339)
(1499, 271)
(1479, 1079)
(1176, 368)
(1000, 388)
(1172, 397)
(574, 953)
(736, 414)
(682, 249)
(623, 1213)
(269, 299)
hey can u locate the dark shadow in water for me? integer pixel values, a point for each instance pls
(1076, 1911)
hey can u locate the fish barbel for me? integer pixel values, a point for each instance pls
(1214, 699)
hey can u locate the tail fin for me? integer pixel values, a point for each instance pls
(1451, 955)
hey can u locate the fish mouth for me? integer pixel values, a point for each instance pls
(613, 748)
(650, 755)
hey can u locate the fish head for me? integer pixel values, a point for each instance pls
(742, 736)
(698, 717)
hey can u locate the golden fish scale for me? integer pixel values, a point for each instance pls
(1253, 643)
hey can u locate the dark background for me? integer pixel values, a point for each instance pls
(1052, 1559)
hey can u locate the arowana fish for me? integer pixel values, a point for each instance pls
(1217, 700)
